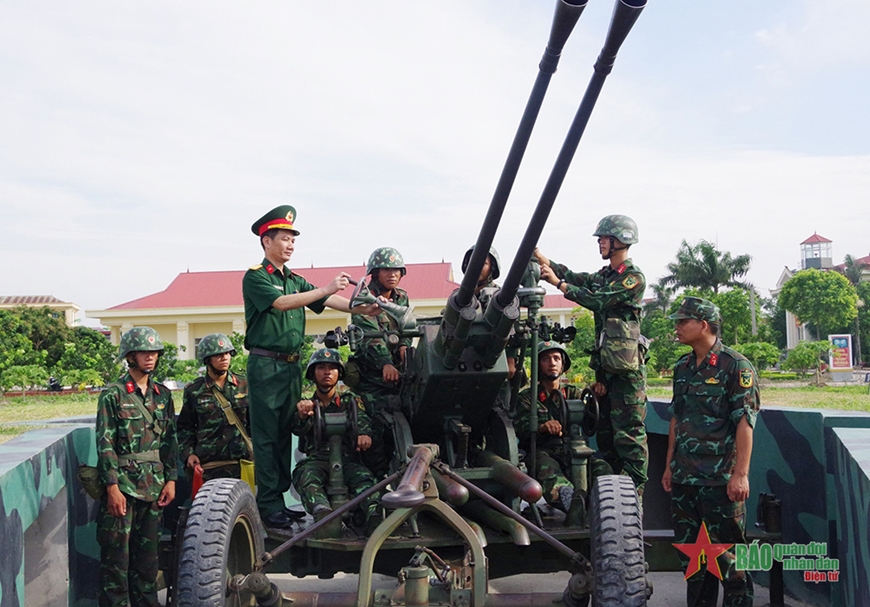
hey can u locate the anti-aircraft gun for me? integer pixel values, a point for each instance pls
(457, 480)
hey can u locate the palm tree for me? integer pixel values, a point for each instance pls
(664, 296)
(853, 269)
(703, 266)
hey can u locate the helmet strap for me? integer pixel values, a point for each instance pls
(549, 377)
(215, 372)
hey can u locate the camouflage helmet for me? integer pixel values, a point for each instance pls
(139, 339)
(698, 309)
(385, 257)
(324, 355)
(621, 227)
(546, 346)
(215, 343)
(493, 265)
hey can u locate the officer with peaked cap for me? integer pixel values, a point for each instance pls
(275, 299)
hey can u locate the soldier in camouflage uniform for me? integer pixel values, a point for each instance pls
(614, 295)
(275, 301)
(713, 411)
(488, 274)
(378, 362)
(207, 435)
(311, 475)
(551, 466)
(137, 453)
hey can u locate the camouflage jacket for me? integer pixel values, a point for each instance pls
(374, 353)
(608, 293)
(123, 430)
(708, 402)
(203, 428)
(304, 428)
(523, 415)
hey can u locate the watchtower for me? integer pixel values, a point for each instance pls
(816, 252)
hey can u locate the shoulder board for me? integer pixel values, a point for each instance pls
(256, 267)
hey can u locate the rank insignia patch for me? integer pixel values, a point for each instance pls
(711, 380)
(630, 281)
(746, 378)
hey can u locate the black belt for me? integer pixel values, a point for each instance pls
(289, 358)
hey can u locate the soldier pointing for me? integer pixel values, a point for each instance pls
(275, 299)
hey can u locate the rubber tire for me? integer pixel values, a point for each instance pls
(223, 537)
(617, 544)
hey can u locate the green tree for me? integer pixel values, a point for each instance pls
(16, 349)
(89, 350)
(825, 301)
(761, 354)
(46, 331)
(703, 266)
(663, 297)
(580, 348)
(23, 377)
(240, 360)
(853, 270)
(170, 367)
(664, 350)
(809, 355)
(80, 379)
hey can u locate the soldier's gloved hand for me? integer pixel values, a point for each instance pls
(550, 427)
(549, 275)
(305, 408)
(599, 389)
(193, 461)
(167, 494)
(542, 259)
(117, 503)
(391, 374)
(512, 367)
(363, 442)
(666, 479)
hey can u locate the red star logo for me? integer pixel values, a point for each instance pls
(703, 549)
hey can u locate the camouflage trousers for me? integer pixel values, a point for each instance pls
(726, 520)
(311, 477)
(552, 475)
(621, 434)
(377, 457)
(128, 555)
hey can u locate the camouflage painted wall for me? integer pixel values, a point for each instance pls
(45, 514)
(818, 463)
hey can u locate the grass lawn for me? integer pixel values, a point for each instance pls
(850, 398)
(32, 408)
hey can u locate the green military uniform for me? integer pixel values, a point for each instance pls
(203, 428)
(709, 401)
(140, 456)
(551, 465)
(373, 354)
(615, 293)
(274, 340)
(311, 475)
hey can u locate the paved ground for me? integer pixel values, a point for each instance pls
(669, 588)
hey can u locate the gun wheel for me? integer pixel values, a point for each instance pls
(222, 539)
(617, 544)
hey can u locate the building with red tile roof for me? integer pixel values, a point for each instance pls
(198, 303)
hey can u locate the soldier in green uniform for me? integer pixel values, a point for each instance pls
(377, 361)
(213, 429)
(275, 299)
(137, 460)
(551, 465)
(614, 295)
(311, 475)
(713, 412)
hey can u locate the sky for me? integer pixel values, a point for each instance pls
(141, 140)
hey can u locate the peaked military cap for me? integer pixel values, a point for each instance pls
(279, 218)
(699, 309)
